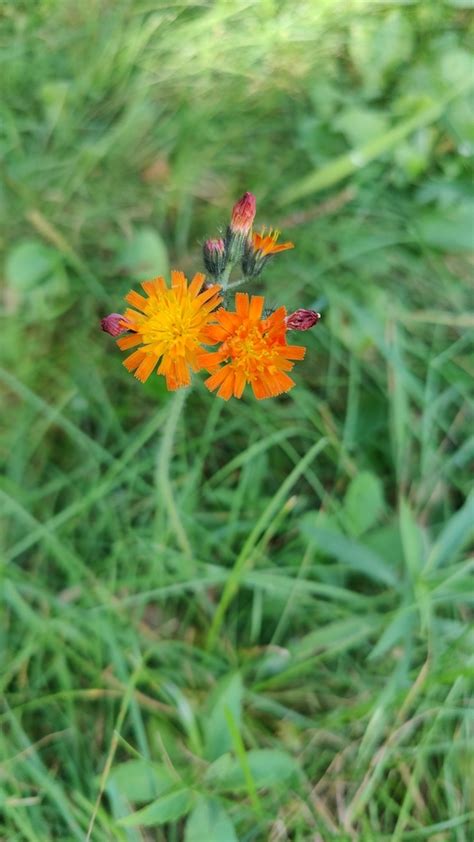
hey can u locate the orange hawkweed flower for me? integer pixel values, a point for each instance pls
(170, 326)
(267, 243)
(254, 350)
(259, 250)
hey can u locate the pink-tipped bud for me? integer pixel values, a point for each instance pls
(214, 257)
(214, 246)
(302, 319)
(243, 214)
(113, 324)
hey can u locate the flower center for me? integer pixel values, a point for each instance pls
(170, 327)
(249, 350)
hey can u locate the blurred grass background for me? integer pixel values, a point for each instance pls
(330, 699)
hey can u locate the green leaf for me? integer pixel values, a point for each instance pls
(455, 535)
(228, 695)
(379, 45)
(209, 822)
(363, 503)
(140, 780)
(398, 629)
(359, 125)
(341, 634)
(412, 540)
(348, 551)
(269, 768)
(38, 281)
(28, 264)
(448, 228)
(169, 808)
(145, 255)
(457, 65)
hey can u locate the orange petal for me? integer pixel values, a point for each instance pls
(209, 293)
(229, 321)
(211, 360)
(242, 303)
(178, 279)
(256, 307)
(153, 288)
(227, 388)
(136, 300)
(270, 387)
(281, 247)
(133, 318)
(213, 334)
(182, 371)
(280, 383)
(129, 341)
(196, 283)
(277, 319)
(146, 367)
(259, 390)
(294, 352)
(216, 379)
(160, 284)
(133, 361)
(239, 384)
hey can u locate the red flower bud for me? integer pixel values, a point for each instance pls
(243, 214)
(302, 319)
(114, 324)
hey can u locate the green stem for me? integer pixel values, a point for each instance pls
(224, 278)
(237, 283)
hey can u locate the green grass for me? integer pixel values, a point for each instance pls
(249, 620)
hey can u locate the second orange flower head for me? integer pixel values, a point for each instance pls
(253, 350)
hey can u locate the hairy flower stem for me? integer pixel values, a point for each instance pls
(223, 279)
(237, 283)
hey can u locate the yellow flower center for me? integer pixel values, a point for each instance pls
(168, 329)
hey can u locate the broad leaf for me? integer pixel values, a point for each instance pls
(169, 808)
(140, 780)
(269, 768)
(228, 696)
(144, 256)
(209, 822)
(349, 552)
(363, 503)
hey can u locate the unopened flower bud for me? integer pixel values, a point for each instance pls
(239, 231)
(302, 319)
(115, 324)
(243, 214)
(214, 256)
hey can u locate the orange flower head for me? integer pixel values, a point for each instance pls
(259, 250)
(169, 327)
(267, 243)
(253, 349)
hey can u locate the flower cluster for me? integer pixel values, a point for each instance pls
(182, 328)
